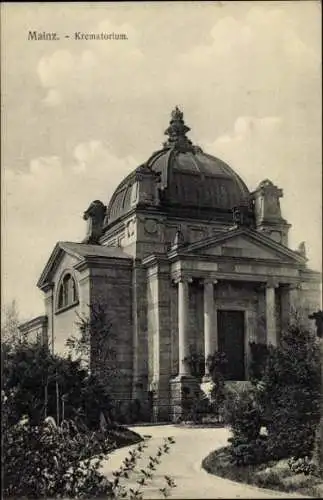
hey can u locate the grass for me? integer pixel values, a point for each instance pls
(122, 436)
(274, 475)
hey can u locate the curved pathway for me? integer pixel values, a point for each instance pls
(183, 464)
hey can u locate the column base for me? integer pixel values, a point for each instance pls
(206, 378)
(184, 390)
(160, 400)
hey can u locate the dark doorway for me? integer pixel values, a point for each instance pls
(231, 342)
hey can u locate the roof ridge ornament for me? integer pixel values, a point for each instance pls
(94, 216)
(176, 132)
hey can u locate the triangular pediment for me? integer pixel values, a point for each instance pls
(244, 243)
(76, 253)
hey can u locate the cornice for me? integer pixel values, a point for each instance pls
(259, 238)
(104, 263)
(175, 256)
(38, 322)
(53, 259)
(171, 212)
(221, 276)
(155, 259)
(309, 275)
(46, 287)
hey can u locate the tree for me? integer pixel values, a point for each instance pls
(95, 347)
(32, 374)
(318, 455)
(10, 333)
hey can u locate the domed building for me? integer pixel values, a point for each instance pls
(185, 261)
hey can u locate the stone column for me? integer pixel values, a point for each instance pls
(184, 387)
(183, 341)
(271, 313)
(210, 325)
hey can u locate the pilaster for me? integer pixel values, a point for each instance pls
(159, 332)
(210, 325)
(271, 325)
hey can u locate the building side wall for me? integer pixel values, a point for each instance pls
(36, 330)
(111, 289)
(159, 331)
(140, 333)
(64, 324)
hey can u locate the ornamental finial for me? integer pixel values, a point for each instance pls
(177, 114)
(177, 131)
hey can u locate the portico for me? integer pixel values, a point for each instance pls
(220, 302)
(211, 309)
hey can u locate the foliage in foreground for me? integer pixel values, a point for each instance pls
(42, 384)
(49, 461)
(275, 475)
(283, 401)
(207, 404)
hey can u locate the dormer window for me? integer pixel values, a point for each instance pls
(67, 292)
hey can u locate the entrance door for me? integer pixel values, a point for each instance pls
(231, 342)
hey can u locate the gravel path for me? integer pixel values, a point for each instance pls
(183, 464)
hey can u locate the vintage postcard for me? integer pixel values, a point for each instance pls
(161, 249)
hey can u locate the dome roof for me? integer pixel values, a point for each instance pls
(190, 179)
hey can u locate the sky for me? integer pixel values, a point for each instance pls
(79, 115)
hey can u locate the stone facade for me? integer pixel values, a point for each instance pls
(36, 329)
(178, 272)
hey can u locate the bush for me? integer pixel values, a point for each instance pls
(50, 461)
(302, 466)
(243, 413)
(245, 452)
(258, 359)
(207, 402)
(36, 378)
(290, 394)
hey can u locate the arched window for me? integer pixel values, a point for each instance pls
(67, 292)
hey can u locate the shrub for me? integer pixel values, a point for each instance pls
(290, 394)
(258, 358)
(217, 364)
(50, 461)
(37, 377)
(302, 465)
(245, 452)
(243, 413)
(196, 362)
(206, 403)
(197, 409)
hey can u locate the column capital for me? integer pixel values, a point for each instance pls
(294, 286)
(209, 281)
(182, 279)
(271, 283)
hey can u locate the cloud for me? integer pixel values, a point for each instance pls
(55, 196)
(101, 67)
(257, 64)
(268, 147)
